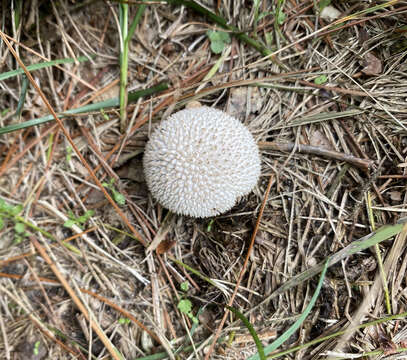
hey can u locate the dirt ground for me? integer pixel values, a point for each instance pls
(92, 267)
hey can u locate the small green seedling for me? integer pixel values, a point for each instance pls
(184, 286)
(11, 211)
(321, 79)
(68, 154)
(20, 232)
(210, 224)
(185, 305)
(124, 321)
(280, 17)
(19, 228)
(218, 40)
(105, 116)
(36, 349)
(119, 198)
(79, 221)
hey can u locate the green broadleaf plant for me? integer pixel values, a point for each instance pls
(79, 221)
(117, 196)
(321, 79)
(218, 40)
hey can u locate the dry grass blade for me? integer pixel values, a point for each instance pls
(90, 318)
(123, 312)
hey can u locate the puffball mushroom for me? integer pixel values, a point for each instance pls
(199, 161)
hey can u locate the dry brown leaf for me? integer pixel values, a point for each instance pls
(395, 195)
(373, 65)
(319, 139)
(238, 101)
(165, 246)
(330, 13)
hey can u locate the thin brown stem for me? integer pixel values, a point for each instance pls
(364, 164)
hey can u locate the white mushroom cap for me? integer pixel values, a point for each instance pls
(199, 161)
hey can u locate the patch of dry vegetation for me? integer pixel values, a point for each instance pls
(338, 88)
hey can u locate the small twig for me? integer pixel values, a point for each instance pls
(363, 164)
(335, 89)
(396, 176)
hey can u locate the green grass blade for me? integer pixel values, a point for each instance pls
(281, 339)
(42, 65)
(91, 107)
(336, 334)
(252, 332)
(18, 7)
(124, 57)
(136, 20)
(383, 233)
(21, 100)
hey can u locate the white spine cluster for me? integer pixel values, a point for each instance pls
(199, 161)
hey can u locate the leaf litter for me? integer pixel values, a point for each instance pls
(316, 207)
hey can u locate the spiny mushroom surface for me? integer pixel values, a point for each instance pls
(199, 161)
